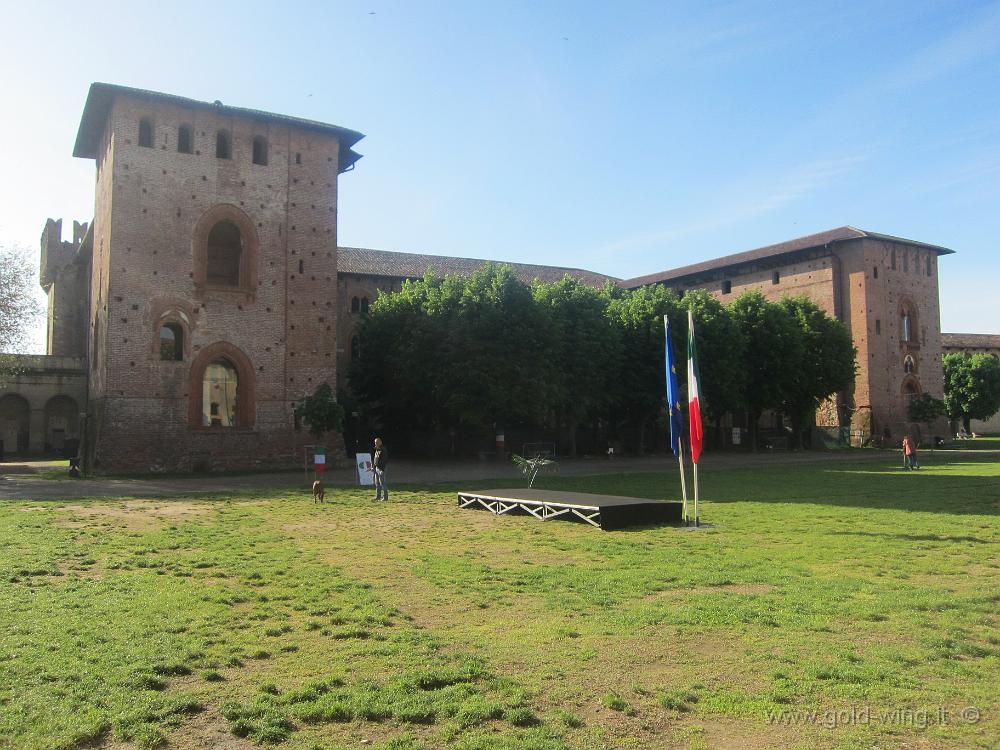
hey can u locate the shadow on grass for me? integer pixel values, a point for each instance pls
(916, 537)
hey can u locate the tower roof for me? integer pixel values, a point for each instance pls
(102, 95)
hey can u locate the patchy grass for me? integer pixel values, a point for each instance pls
(270, 620)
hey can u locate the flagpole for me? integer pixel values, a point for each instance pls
(697, 521)
(684, 490)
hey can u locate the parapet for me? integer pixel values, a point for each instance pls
(57, 254)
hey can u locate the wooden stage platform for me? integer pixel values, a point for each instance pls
(602, 511)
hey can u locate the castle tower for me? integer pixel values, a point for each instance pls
(213, 279)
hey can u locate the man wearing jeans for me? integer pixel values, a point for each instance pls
(378, 470)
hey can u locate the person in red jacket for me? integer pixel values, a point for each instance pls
(909, 454)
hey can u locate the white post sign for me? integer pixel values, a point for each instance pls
(365, 475)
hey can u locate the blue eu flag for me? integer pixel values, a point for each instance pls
(673, 393)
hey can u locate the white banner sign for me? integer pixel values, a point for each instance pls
(365, 476)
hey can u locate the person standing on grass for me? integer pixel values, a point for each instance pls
(378, 470)
(909, 454)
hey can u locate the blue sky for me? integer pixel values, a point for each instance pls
(626, 138)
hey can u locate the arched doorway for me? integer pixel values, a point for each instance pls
(15, 418)
(61, 424)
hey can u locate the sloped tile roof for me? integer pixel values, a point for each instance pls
(970, 341)
(840, 234)
(369, 262)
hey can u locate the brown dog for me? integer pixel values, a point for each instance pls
(318, 493)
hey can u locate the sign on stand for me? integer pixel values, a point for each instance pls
(319, 462)
(365, 474)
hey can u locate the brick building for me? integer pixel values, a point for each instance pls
(884, 288)
(203, 294)
(208, 295)
(975, 343)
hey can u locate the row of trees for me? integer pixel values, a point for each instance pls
(446, 353)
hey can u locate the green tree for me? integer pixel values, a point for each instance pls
(584, 351)
(321, 412)
(639, 391)
(774, 351)
(18, 308)
(826, 363)
(971, 387)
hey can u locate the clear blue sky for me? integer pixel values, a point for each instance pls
(622, 137)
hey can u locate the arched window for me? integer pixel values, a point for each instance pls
(184, 139)
(260, 150)
(223, 257)
(355, 304)
(146, 132)
(223, 149)
(171, 342)
(220, 384)
(910, 391)
(355, 347)
(907, 327)
(364, 305)
(908, 365)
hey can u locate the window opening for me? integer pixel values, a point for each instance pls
(223, 258)
(184, 139)
(145, 133)
(171, 343)
(219, 390)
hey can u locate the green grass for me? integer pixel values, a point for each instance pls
(818, 588)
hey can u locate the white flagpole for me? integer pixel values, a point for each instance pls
(684, 489)
(696, 520)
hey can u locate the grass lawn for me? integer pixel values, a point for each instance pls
(862, 593)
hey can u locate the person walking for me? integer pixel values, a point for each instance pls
(909, 454)
(378, 470)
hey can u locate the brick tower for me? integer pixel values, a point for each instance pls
(213, 279)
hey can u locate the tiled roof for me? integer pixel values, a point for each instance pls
(101, 96)
(841, 234)
(970, 341)
(368, 262)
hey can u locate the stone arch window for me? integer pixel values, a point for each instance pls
(355, 347)
(260, 150)
(15, 422)
(908, 323)
(364, 305)
(223, 255)
(223, 145)
(184, 139)
(225, 250)
(171, 342)
(221, 389)
(145, 133)
(355, 304)
(908, 365)
(911, 389)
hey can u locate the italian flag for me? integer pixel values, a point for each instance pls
(694, 392)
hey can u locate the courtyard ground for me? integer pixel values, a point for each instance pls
(831, 604)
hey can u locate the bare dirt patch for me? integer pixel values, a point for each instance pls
(207, 730)
(132, 514)
(729, 588)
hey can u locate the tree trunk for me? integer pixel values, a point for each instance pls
(967, 424)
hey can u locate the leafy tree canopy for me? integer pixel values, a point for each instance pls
(971, 386)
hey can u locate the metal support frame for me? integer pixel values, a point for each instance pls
(540, 509)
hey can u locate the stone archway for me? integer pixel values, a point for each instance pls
(15, 424)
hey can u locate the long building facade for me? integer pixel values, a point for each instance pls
(884, 288)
